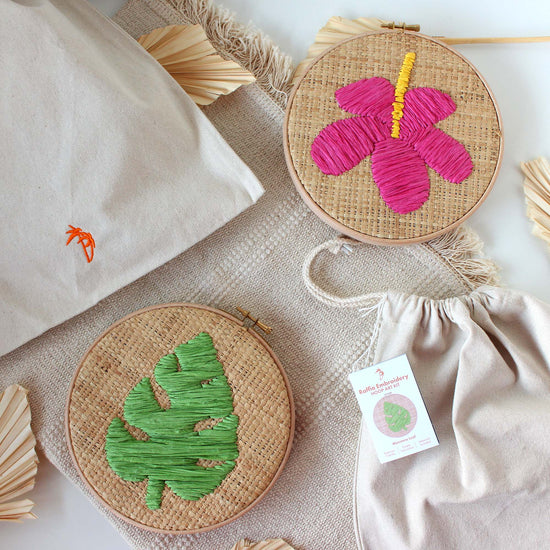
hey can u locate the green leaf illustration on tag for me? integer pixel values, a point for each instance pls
(198, 390)
(397, 417)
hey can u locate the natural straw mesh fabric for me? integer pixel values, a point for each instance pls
(352, 200)
(255, 262)
(128, 352)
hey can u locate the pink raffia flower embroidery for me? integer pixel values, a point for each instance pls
(395, 126)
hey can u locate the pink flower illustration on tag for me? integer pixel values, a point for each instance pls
(395, 126)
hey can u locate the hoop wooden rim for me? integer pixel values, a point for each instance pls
(334, 223)
(264, 344)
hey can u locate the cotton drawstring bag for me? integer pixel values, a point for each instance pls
(481, 362)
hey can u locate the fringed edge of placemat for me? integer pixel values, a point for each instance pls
(245, 44)
(462, 250)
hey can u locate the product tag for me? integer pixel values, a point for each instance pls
(393, 409)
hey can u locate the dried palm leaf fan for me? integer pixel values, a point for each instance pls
(187, 54)
(271, 544)
(537, 196)
(18, 460)
(335, 31)
(391, 136)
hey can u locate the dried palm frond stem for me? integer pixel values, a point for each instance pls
(18, 460)
(537, 195)
(271, 544)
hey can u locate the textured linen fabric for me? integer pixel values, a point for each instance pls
(255, 262)
(95, 134)
(482, 364)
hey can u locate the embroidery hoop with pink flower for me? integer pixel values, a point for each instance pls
(396, 128)
(392, 137)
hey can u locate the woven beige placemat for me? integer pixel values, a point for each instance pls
(129, 351)
(351, 202)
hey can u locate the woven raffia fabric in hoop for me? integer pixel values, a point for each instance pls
(125, 354)
(351, 202)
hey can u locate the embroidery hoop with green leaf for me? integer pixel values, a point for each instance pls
(126, 353)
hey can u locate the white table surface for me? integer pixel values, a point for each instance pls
(520, 80)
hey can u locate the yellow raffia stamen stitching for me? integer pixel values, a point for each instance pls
(400, 89)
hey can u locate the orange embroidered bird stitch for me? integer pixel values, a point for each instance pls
(85, 239)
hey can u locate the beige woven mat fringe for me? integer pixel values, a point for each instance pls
(255, 261)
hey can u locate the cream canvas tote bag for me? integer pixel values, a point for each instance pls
(96, 135)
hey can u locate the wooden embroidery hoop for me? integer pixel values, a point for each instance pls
(351, 203)
(126, 352)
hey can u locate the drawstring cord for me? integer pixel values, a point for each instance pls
(365, 303)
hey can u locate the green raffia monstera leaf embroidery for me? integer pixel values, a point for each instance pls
(198, 390)
(397, 417)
